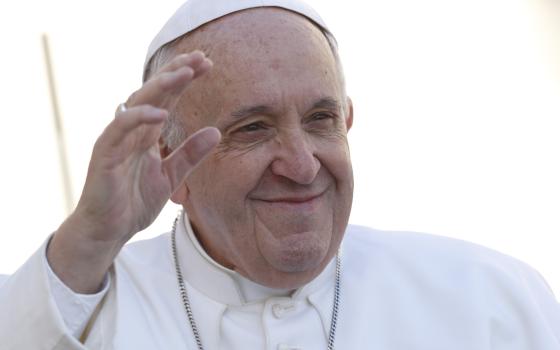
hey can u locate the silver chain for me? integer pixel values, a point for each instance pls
(187, 303)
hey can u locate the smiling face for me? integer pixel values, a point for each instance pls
(273, 200)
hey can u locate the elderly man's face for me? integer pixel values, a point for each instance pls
(273, 200)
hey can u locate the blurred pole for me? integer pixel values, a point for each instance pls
(59, 129)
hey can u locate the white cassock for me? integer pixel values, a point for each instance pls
(399, 291)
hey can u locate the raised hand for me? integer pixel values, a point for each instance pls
(128, 182)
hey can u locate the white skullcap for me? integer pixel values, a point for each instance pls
(194, 13)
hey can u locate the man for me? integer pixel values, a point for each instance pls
(266, 183)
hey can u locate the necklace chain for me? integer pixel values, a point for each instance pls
(187, 303)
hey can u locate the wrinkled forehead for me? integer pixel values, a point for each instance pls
(195, 13)
(264, 54)
(255, 32)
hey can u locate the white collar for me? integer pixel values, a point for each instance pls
(227, 286)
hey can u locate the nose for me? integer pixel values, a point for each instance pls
(296, 159)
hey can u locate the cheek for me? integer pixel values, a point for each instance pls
(334, 155)
(224, 182)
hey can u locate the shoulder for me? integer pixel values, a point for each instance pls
(365, 240)
(451, 280)
(146, 253)
(432, 257)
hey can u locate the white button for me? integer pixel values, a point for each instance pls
(288, 347)
(280, 310)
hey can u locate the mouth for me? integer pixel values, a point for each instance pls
(295, 201)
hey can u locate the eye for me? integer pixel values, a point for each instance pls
(321, 116)
(253, 127)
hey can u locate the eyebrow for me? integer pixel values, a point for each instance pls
(246, 111)
(327, 103)
(324, 103)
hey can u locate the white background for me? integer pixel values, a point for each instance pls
(457, 114)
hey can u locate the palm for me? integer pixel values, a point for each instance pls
(128, 182)
(134, 187)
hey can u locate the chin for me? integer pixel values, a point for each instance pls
(298, 253)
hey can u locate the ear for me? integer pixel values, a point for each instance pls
(349, 113)
(179, 196)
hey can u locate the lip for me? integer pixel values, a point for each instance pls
(293, 199)
(298, 201)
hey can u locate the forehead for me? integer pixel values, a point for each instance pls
(252, 26)
(262, 56)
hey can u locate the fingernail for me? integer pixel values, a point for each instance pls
(207, 139)
(158, 113)
(181, 73)
(184, 72)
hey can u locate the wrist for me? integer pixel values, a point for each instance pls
(77, 258)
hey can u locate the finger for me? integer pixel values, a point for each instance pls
(196, 60)
(171, 80)
(162, 88)
(120, 109)
(183, 160)
(129, 120)
(193, 60)
(203, 67)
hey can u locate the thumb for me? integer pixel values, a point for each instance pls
(187, 156)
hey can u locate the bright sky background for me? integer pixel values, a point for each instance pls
(457, 114)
